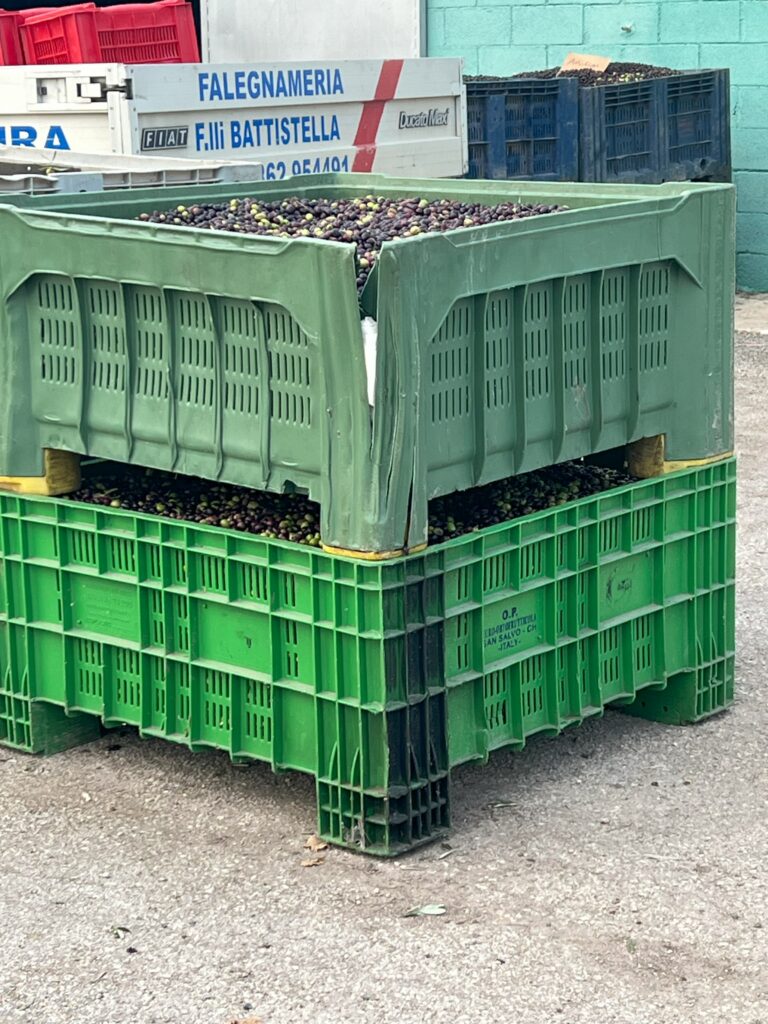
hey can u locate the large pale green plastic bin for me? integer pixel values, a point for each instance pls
(500, 349)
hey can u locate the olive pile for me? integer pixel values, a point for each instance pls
(367, 221)
(614, 74)
(296, 518)
(516, 496)
(172, 496)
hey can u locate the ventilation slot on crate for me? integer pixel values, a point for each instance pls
(54, 311)
(629, 115)
(150, 344)
(654, 317)
(196, 344)
(253, 583)
(217, 712)
(121, 556)
(183, 694)
(575, 332)
(290, 369)
(291, 649)
(257, 717)
(495, 573)
(610, 535)
(642, 643)
(642, 525)
(82, 548)
(613, 325)
(106, 327)
(691, 111)
(537, 341)
(155, 562)
(459, 644)
(461, 577)
(212, 574)
(178, 567)
(180, 633)
(531, 561)
(532, 691)
(240, 321)
(498, 351)
(127, 682)
(610, 660)
(157, 618)
(450, 366)
(89, 674)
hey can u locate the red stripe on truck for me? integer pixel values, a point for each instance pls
(370, 118)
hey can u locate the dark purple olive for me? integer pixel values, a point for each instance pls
(295, 518)
(366, 222)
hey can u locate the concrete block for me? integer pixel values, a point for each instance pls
(558, 23)
(752, 233)
(699, 21)
(478, 26)
(750, 149)
(751, 272)
(510, 60)
(750, 105)
(751, 191)
(754, 21)
(747, 61)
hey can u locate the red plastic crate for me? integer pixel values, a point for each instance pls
(10, 43)
(159, 33)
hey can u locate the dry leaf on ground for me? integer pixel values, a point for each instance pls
(312, 862)
(315, 844)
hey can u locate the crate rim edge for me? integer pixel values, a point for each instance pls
(25, 205)
(294, 546)
(610, 191)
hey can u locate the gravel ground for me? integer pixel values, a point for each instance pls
(615, 875)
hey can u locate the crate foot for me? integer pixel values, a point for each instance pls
(688, 697)
(394, 795)
(646, 458)
(384, 825)
(61, 476)
(45, 729)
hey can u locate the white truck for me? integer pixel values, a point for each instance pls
(244, 30)
(396, 116)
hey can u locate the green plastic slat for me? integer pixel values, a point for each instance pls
(500, 349)
(375, 678)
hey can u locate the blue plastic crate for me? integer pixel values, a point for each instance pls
(523, 128)
(697, 139)
(665, 129)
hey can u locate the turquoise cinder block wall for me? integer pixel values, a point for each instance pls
(499, 37)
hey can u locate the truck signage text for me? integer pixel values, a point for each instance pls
(268, 84)
(165, 138)
(28, 135)
(257, 132)
(424, 119)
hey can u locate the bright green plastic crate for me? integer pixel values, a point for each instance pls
(500, 349)
(375, 678)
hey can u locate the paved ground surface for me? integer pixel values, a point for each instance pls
(616, 875)
(752, 312)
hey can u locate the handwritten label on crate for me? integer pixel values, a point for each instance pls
(581, 61)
